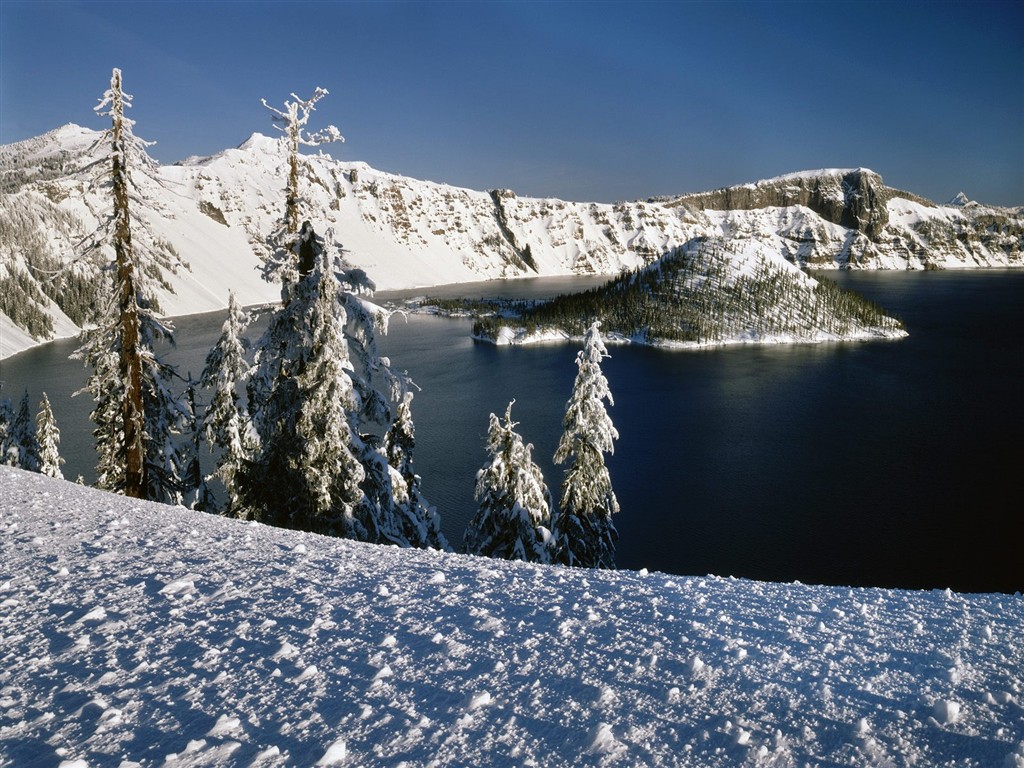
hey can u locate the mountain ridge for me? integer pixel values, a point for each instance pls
(215, 212)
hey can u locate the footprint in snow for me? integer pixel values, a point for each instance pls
(478, 700)
(98, 613)
(309, 672)
(226, 726)
(334, 755)
(178, 588)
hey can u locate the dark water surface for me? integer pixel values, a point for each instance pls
(892, 464)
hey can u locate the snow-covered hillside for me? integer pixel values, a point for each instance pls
(837, 217)
(215, 212)
(138, 634)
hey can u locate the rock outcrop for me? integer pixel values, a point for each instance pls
(855, 199)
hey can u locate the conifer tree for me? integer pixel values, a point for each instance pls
(584, 534)
(306, 473)
(49, 440)
(319, 391)
(22, 445)
(6, 422)
(385, 491)
(514, 516)
(225, 423)
(330, 447)
(419, 523)
(197, 492)
(136, 415)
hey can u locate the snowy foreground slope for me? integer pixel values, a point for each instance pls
(137, 634)
(214, 214)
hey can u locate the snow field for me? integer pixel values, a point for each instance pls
(138, 634)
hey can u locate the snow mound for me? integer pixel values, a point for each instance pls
(178, 638)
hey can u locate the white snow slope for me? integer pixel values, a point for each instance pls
(138, 634)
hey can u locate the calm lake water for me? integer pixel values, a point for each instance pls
(891, 464)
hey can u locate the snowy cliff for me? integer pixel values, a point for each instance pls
(850, 218)
(133, 633)
(213, 213)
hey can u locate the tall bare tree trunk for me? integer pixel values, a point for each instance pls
(130, 364)
(292, 200)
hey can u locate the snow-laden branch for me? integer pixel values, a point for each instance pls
(293, 118)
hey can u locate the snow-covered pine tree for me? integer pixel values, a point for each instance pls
(225, 422)
(420, 523)
(21, 447)
(196, 490)
(166, 419)
(331, 447)
(514, 516)
(315, 397)
(583, 533)
(136, 415)
(306, 473)
(281, 351)
(386, 494)
(49, 440)
(6, 421)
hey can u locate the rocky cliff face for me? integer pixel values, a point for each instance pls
(849, 218)
(855, 199)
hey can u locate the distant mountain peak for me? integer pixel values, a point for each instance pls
(960, 200)
(816, 174)
(260, 141)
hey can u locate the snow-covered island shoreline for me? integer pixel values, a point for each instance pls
(518, 336)
(138, 634)
(713, 294)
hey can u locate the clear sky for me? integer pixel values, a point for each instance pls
(587, 101)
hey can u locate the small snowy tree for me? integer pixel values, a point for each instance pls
(514, 516)
(6, 422)
(225, 423)
(197, 492)
(420, 524)
(49, 440)
(136, 415)
(584, 534)
(21, 448)
(403, 516)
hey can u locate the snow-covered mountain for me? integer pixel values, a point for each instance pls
(215, 212)
(850, 218)
(137, 634)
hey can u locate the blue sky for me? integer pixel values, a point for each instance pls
(585, 101)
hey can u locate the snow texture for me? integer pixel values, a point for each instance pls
(138, 634)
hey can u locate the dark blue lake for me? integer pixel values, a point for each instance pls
(891, 464)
